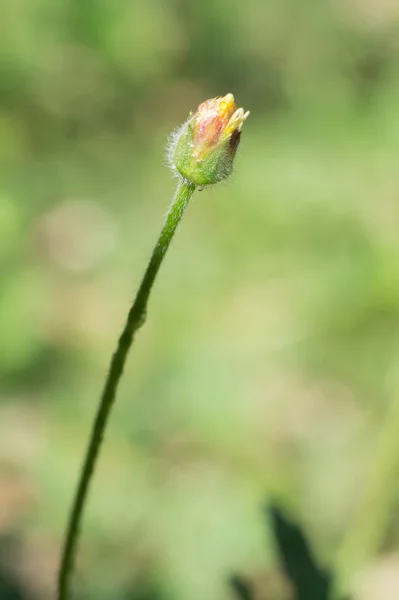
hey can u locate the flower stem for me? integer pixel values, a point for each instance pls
(365, 537)
(135, 320)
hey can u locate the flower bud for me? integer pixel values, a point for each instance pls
(203, 149)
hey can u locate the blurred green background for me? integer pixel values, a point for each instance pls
(268, 367)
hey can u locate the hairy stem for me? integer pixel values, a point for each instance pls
(135, 319)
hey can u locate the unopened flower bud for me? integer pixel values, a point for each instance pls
(203, 150)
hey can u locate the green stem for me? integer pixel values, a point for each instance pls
(135, 320)
(365, 537)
